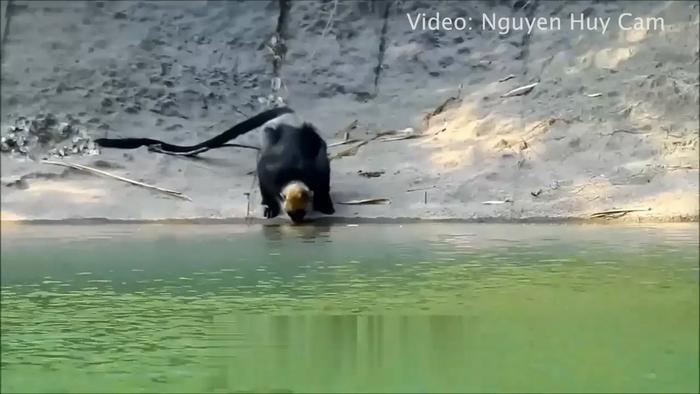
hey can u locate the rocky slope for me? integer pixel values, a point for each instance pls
(612, 122)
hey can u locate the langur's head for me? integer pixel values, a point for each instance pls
(297, 200)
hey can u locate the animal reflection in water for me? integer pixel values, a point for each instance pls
(278, 232)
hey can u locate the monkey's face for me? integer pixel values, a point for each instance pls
(297, 199)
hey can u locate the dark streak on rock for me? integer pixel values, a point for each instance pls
(382, 48)
(530, 9)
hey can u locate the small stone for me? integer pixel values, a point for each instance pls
(132, 109)
(174, 127)
(105, 164)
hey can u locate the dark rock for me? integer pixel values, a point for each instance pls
(174, 127)
(362, 96)
(446, 61)
(165, 68)
(167, 107)
(150, 44)
(132, 109)
(106, 164)
(429, 39)
(20, 184)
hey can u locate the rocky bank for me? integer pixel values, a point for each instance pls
(609, 120)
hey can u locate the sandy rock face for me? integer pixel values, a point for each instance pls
(554, 123)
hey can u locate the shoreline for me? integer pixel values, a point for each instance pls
(357, 220)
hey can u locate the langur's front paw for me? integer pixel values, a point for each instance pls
(271, 212)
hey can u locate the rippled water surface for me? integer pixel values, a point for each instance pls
(373, 308)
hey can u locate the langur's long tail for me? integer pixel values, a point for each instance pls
(215, 142)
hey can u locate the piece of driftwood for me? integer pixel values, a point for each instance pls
(350, 151)
(328, 25)
(420, 189)
(367, 201)
(157, 148)
(345, 132)
(681, 167)
(401, 137)
(438, 110)
(624, 131)
(497, 202)
(344, 142)
(95, 171)
(523, 90)
(370, 174)
(616, 212)
(443, 106)
(507, 78)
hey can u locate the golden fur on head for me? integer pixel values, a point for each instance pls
(297, 197)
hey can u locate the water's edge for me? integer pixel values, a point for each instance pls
(364, 220)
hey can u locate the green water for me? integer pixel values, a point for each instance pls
(368, 308)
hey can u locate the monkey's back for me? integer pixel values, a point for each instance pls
(293, 153)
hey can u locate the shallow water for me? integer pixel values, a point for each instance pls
(374, 308)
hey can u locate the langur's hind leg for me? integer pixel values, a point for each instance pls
(269, 201)
(323, 203)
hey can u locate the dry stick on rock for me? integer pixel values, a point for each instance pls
(157, 148)
(348, 128)
(506, 78)
(441, 108)
(368, 201)
(353, 149)
(523, 90)
(251, 190)
(328, 25)
(383, 136)
(616, 212)
(350, 151)
(117, 177)
(345, 142)
(402, 137)
(346, 135)
(624, 131)
(420, 189)
(681, 167)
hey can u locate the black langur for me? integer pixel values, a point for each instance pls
(293, 166)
